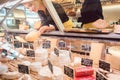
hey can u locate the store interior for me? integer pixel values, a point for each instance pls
(75, 54)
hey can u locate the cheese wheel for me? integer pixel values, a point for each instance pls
(32, 36)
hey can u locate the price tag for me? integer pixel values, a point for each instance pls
(56, 51)
(69, 72)
(46, 44)
(104, 65)
(31, 46)
(25, 45)
(50, 66)
(86, 62)
(9, 39)
(85, 47)
(99, 76)
(17, 44)
(62, 44)
(23, 69)
(30, 53)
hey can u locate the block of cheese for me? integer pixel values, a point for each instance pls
(115, 51)
(3, 68)
(11, 75)
(96, 52)
(113, 76)
(32, 36)
(114, 57)
(84, 71)
(45, 73)
(62, 59)
(35, 66)
(27, 63)
(25, 77)
(41, 55)
(85, 78)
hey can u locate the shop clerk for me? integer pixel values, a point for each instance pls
(91, 11)
(47, 22)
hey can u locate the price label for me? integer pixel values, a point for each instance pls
(99, 76)
(9, 39)
(50, 66)
(23, 69)
(85, 47)
(69, 71)
(104, 65)
(46, 44)
(17, 44)
(62, 44)
(86, 62)
(56, 51)
(30, 53)
(25, 45)
(31, 46)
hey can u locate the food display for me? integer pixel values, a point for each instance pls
(35, 59)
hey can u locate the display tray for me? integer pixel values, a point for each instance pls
(96, 31)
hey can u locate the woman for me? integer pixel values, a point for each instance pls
(91, 11)
(47, 22)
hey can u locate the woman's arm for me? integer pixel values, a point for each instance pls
(46, 28)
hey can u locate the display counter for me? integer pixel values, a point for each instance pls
(93, 46)
(108, 36)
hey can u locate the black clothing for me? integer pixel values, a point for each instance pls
(91, 11)
(47, 19)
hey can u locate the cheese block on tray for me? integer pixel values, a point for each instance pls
(113, 76)
(35, 66)
(11, 75)
(25, 77)
(45, 73)
(62, 59)
(3, 68)
(41, 55)
(115, 51)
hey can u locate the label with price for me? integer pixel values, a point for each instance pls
(23, 69)
(69, 71)
(86, 62)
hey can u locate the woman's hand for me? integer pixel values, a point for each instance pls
(46, 28)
